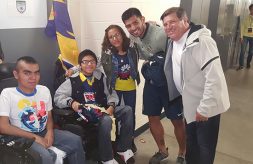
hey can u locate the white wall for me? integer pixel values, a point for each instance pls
(153, 9)
(91, 17)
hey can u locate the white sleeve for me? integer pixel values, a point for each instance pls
(5, 103)
(212, 70)
(49, 105)
(62, 95)
(111, 98)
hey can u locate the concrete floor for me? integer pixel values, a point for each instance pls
(235, 145)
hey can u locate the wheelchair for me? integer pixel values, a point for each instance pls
(66, 119)
(14, 149)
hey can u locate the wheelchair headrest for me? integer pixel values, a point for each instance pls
(6, 70)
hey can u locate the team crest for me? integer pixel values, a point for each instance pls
(21, 6)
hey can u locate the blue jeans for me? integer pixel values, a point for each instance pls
(202, 140)
(244, 44)
(66, 141)
(129, 98)
(123, 141)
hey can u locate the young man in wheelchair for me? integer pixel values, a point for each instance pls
(87, 94)
(25, 111)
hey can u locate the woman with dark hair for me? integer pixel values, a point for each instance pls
(120, 63)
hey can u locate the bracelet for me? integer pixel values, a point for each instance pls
(112, 104)
(70, 102)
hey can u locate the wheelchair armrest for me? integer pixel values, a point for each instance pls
(14, 142)
(63, 112)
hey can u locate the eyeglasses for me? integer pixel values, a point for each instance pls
(86, 62)
(117, 35)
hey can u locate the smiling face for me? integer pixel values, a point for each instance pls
(135, 26)
(115, 38)
(88, 65)
(175, 27)
(27, 75)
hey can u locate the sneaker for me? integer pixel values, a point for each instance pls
(130, 161)
(118, 158)
(248, 66)
(113, 161)
(180, 160)
(158, 157)
(134, 148)
(127, 156)
(239, 68)
(121, 161)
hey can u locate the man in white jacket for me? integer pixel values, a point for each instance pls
(193, 59)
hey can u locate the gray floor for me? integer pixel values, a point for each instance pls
(235, 145)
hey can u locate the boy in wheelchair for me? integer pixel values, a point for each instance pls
(85, 92)
(25, 111)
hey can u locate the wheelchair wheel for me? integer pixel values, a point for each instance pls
(10, 156)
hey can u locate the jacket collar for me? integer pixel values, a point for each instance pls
(192, 37)
(96, 74)
(194, 28)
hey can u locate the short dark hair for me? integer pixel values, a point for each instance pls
(250, 6)
(84, 53)
(180, 12)
(106, 45)
(26, 59)
(129, 13)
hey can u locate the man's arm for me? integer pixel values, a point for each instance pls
(210, 64)
(62, 97)
(50, 133)
(8, 129)
(243, 24)
(112, 99)
(153, 42)
(72, 71)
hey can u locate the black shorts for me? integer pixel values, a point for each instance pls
(156, 98)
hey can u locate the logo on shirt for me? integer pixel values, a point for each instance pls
(33, 115)
(89, 97)
(124, 72)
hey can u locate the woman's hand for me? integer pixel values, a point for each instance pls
(110, 110)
